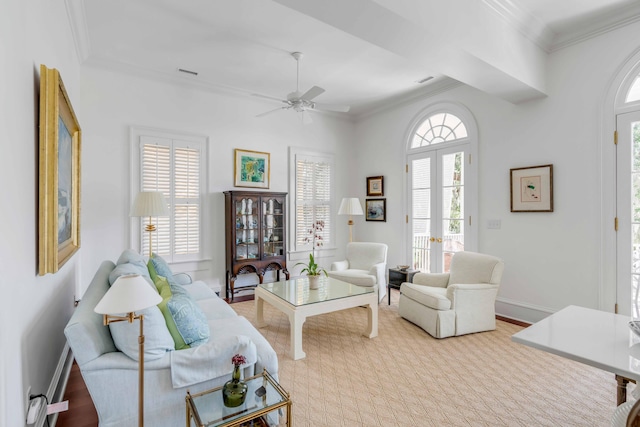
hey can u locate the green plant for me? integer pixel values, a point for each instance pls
(312, 269)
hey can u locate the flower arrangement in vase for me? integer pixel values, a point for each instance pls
(312, 269)
(234, 391)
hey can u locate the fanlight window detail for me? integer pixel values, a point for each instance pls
(634, 92)
(441, 127)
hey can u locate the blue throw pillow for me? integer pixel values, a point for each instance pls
(162, 268)
(189, 318)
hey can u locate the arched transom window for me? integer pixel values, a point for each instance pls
(440, 127)
(634, 91)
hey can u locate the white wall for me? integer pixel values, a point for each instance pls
(34, 309)
(552, 259)
(114, 101)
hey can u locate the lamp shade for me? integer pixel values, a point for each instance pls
(128, 294)
(350, 206)
(149, 203)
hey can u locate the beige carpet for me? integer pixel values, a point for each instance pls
(404, 377)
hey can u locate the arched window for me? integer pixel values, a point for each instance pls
(440, 127)
(634, 91)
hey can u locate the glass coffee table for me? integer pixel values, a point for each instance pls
(295, 299)
(207, 409)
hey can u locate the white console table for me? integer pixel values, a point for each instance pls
(593, 337)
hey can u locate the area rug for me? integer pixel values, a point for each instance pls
(404, 377)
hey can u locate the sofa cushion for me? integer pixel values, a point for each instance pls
(356, 277)
(157, 340)
(435, 298)
(199, 290)
(129, 256)
(128, 269)
(216, 308)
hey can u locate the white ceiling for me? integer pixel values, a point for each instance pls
(365, 53)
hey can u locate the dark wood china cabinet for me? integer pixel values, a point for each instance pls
(255, 232)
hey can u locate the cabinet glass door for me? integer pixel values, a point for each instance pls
(246, 228)
(273, 227)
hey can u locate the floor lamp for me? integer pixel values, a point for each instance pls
(151, 204)
(129, 294)
(350, 206)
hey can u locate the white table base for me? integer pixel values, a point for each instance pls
(298, 315)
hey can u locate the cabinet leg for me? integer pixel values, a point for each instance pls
(232, 284)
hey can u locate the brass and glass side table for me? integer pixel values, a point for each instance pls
(207, 409)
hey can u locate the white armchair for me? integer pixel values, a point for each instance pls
(455, 303)
(366, 265)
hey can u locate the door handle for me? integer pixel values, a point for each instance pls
(433, 239)
(439, 240)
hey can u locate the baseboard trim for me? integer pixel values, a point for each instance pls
(513, 321)
(520, 311)
(58, 385)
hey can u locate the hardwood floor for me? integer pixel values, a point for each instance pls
(81, 411)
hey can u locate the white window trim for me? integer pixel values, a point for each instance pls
(300, 252)
(135, 229)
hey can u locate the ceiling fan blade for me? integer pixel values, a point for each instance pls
(331, 107)
(306, 118)
(273, 98)
(271, 111)
(312, 93)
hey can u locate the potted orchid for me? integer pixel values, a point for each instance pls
(312, 269)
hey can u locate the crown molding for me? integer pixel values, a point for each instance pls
(78, 21)
(583, 30)
(524, 22)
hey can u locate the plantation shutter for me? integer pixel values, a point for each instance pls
(174, 168)
(187, 200)
(313, 198)
(156, 176)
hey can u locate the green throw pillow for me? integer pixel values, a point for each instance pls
(165, 292)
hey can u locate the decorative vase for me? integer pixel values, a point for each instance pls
(314, 281)
(234, 391)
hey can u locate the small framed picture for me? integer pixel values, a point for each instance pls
(376, 210)
(251, 169)
(532, 189)
(375, 186)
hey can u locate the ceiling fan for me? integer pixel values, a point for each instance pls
(303, 102)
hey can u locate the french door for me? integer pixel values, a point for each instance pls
(437, 206)
(628, 213)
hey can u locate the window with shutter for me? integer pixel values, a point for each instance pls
(312, 199)
(175, 167)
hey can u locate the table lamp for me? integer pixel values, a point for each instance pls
(350, 206)
(149, 203)
(129, 294)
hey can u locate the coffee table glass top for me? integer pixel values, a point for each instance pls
(209, 409)
(297, 293)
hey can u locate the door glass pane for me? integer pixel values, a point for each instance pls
(635, 217)
(421, 213)
(452, 206)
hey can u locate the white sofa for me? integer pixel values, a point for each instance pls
(366, 265)
(455, 303)
(111, 375)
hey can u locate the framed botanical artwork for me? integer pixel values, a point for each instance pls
(375, 186)
(532, 189)
(376, 210)
(251, 169)
(59, 175)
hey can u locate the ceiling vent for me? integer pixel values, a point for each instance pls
(426, 79)
(182, 70)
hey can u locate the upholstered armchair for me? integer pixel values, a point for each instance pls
(455, 303)
(366, 265)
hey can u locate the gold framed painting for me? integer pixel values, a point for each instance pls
(251, 169)
(59, 175)
(532, 189)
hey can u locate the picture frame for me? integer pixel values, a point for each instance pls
(532, 189)
(375, 186)
(60, 140)
(376, 210)
(251, 169)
